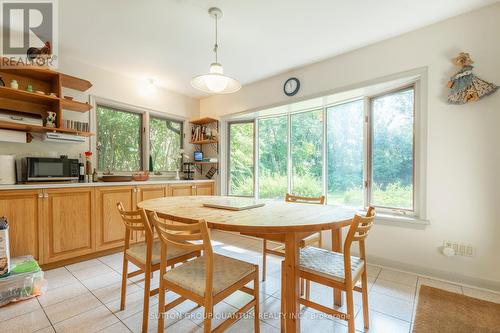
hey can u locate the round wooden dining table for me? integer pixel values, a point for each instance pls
(277, 220)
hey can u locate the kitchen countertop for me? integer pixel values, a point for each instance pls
(62, 185)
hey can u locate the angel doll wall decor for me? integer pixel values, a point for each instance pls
(465, 86)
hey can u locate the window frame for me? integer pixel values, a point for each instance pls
(145, 114)
(141, 133)
(162, 117)
(369, 152)
(254, 152)
(415, 79)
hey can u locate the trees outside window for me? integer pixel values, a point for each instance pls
(273, 157)
(345, 153)
(392, 149)
(241, 159)
(119, 141)
(307, 153)
(165, 141)
(369, 150)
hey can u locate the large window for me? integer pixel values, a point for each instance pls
(123, 144)
(307, 153)
(118, 139)
(392, 150)
(345, 151)
(273, 157)
(241, 159)
(357, 152)
(165, 137)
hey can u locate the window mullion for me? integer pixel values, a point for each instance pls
(289, 151)
(368, 156)
(324, 162)
(256, 158)
(145, 141)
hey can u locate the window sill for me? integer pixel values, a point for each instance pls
(412, 222)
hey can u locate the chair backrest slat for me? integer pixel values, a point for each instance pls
(182, 235)
(312, 200)
(358, 231)
(135, 220)
(188, 234)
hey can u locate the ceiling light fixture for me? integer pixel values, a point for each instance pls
(215, 81)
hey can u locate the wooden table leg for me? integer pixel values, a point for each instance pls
(292, 307)
(337, 247)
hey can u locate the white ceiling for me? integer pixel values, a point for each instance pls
(172, 40)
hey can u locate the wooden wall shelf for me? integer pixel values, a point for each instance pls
(75, 83)
(75, 105)
(205, 163)
(26, 96)
(40, 79)
(40, 129)
(203, 142)
(203, 121)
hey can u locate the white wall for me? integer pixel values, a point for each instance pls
(110, 86)
(463, 153)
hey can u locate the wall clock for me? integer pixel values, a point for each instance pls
(291, 86)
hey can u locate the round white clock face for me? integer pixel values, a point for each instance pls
(291, 86)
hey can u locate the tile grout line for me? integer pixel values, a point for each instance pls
(45, 313)
(141, 309)
(90, 291)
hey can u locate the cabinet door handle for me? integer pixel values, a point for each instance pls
(40, 195)
(193, 187)
(45, 195)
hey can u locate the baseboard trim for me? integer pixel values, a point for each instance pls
(425, 272)
(435, 274)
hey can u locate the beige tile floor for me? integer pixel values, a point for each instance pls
(85, 297)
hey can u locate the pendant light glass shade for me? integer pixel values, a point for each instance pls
(215, 82)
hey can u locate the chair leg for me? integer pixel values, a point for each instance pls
(264, 261)
(256, 308)
(124, 283)
(364, 292)
(209, 312)
(350, 309)
(283, 289)
(145, 309)
(161, 306)
(320, 241)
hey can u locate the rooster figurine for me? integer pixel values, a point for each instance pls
(39, 55)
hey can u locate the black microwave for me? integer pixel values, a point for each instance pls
(38, 169)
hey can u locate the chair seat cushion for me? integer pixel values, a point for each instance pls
(328, 264)
(191, 275)
(138, 252)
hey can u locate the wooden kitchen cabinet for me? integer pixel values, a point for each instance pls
(176, 190)
(68, 223)
(204, 189)
(58, 224)
(23, 210)
(181, 190)
(110, 231)
(151, 192)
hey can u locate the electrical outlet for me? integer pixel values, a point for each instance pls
(461, 249)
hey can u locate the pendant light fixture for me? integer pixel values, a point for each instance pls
(215, 82)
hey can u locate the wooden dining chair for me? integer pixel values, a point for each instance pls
(314, 239)
(338, 270)
(206, 280)
(145, 255)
